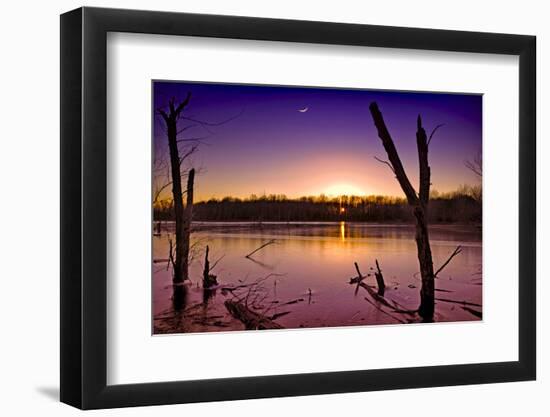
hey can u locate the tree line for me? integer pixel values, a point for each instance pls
(460, 206)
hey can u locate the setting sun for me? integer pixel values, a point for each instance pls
(343, 189)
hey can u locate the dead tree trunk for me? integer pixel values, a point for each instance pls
(379, 279)
(171, 120)
(418, 202)
(208, 280)
(186, 229)
(206, 270)
(251, 319)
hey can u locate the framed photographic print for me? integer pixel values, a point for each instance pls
(248, 203)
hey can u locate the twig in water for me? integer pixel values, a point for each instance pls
(251, 319)
(359, 279)
(160, 261)
(262, 264)
(216, 262)
(272, 241)
(298, 300)
(455, 252)
(385, 312)
(377, 297)
(466, 303)
(277, 315)
(472, 311)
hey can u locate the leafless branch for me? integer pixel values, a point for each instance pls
(385, 312)
(455, 252)
(433, 132)
(272, 241)
(183, 104)
(211, 124)
(163, 114)
(377, 297)
(199, 139)
(385, 162)
(160, 124)
(466, 303)
(476, 313)
(183, 129)
(472, 166)
(160, 190)
(216, 262)
(189, 152)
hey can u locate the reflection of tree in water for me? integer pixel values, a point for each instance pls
(207, 295)
(179, 297)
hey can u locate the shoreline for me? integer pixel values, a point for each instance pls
(316, 223)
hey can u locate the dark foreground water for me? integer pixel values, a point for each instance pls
(302, 280)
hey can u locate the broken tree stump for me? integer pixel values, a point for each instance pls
(377, 297)
(379, 279)
(208, 280)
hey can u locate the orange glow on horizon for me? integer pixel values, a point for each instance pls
(336, 190)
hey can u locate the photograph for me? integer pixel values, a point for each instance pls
(288, 207)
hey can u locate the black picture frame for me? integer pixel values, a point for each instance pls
(84, 207)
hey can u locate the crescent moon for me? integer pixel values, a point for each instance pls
(304, 110)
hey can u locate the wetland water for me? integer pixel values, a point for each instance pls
(303, 278)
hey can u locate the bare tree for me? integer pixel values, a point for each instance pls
(169, 171)
(419, 203)
(183, 219)
(475, 165)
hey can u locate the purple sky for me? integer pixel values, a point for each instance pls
(273, 148)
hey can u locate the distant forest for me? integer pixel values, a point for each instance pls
(461, 206)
